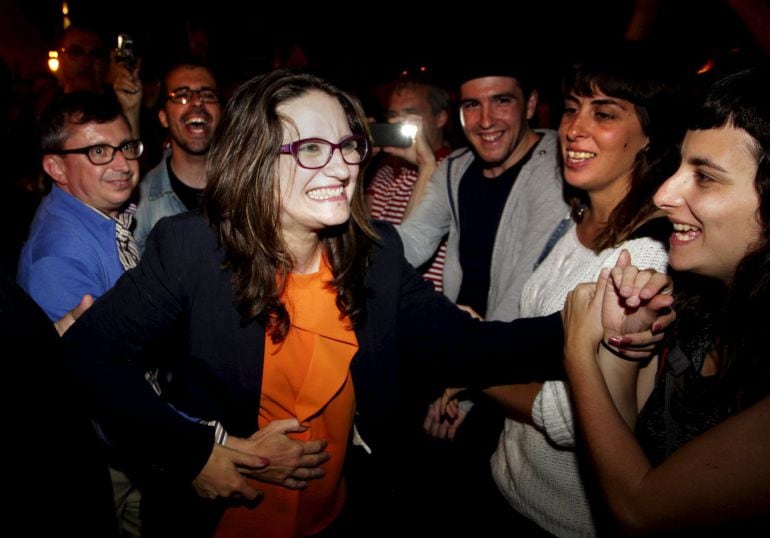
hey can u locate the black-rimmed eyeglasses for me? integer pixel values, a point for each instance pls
(182, 96)
(104, 153)
(315, 153)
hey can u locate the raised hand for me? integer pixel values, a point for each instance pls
(128, 90)
(419, 153)
(636, 307)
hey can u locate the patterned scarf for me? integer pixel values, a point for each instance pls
(127, 251)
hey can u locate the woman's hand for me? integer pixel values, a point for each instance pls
(582, 319)
(636, 308)
(291, 462)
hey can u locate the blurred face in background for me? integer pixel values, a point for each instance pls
(191, 125)
(406, 103)
(83, 62)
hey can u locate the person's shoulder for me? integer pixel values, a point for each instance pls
(152, 180)
(386, 232)
(548, 145)
(460, 154)
(189, 224)
(388, 240)
(62, 233)
(185, 240)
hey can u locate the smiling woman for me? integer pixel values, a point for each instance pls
(694, 457)
(294, 309)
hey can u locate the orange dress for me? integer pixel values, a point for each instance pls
(306, 376)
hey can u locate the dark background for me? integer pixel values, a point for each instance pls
(343, 43)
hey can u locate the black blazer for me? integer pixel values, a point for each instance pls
(44, 416)
(218, 374)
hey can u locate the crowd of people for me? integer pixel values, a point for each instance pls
(248, 349)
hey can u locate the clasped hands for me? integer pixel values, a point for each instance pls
(627, 308)
(269, 455)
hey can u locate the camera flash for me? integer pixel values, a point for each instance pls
(409, 129)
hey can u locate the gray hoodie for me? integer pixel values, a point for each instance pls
(533, 211)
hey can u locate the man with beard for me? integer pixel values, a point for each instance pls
(190, 111)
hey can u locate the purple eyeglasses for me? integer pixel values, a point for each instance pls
(315, 153)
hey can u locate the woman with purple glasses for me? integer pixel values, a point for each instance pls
(292, 308)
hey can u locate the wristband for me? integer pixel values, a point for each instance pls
(620, 354)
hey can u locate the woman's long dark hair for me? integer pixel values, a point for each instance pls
(739, 317)
(242, 202)
(630, 74)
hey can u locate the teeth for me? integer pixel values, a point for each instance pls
(580, 155)
(490, 138)
(326, 193)
(684, 227)
(195, 121)
(685, 232)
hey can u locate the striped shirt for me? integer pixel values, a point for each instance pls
(390, 191)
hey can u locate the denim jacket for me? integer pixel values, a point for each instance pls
(156, 200)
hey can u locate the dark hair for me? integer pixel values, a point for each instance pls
(76, 108)
(78, 29)
(242, 202)
(189, 63)
(633, 77)
(437, 97)
(740, 314)
(484, 65)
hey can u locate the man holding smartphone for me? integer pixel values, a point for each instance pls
(399, 183)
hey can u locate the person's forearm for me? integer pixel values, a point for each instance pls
(516, 400)
(420, 186)
(132, 115)
(620, 377)
(611, 446)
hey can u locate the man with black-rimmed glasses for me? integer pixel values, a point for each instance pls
(191, 106)
(80, 239)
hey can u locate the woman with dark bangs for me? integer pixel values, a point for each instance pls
(688, 450)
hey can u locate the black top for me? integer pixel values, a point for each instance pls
(481, 201)
(189, 196)
(48, 433)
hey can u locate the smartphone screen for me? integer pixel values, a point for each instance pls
(392, 134)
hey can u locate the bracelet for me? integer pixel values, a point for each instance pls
(620, 354)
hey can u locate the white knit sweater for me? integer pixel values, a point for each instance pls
(536, 469)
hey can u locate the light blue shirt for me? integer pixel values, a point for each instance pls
(70, 251)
